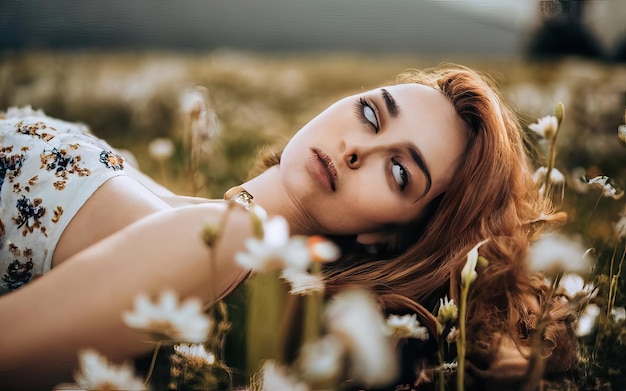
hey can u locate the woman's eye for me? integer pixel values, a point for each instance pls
(399, 174)
(370, 115)
(367, 114)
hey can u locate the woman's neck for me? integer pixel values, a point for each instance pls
(269, 193)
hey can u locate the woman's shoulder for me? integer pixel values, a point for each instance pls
(120, 202)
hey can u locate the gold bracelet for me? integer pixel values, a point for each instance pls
(240, 196)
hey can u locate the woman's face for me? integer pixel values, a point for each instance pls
(374, 159)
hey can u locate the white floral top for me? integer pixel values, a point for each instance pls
(48, 169)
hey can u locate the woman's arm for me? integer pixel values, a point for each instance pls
(80, 303)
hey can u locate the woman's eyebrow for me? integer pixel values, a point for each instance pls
(416, 155)
(392, 107)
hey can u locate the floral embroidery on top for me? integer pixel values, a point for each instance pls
(9, 165)
(29, 215)
(19, 272)
(112, 160)
(62, 163)
(32, 130)
(48, 169)
(58, 212)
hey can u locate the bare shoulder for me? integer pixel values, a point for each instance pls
(119, 202)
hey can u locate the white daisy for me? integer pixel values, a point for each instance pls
(406, 326)
(277, 250)
(556, 253)
(195, 351)
(619, 314)
(606, 185)
(277, 378)
(161, 149)
(354, 317)
(95, 372)
(302, 282)
(574, 284)
(545, 127)
(322, 359)
(587, 320)
(556, 176)
(167, 321)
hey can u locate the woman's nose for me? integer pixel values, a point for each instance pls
(352, 159)
(356, 154)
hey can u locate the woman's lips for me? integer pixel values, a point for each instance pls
(323, 169)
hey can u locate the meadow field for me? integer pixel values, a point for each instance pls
(258, 100)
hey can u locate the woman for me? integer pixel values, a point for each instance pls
(415, 173)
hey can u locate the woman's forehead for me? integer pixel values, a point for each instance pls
(412, 89)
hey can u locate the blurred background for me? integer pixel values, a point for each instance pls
(499, 27)
(129, 69)
(123, 67)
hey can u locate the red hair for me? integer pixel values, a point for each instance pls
(491, 197)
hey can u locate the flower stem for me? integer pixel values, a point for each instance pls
(560, 114)
(547, 183)
(313, 311)
(613, 286)
(460, 346)
(442, 381)
(152, 363)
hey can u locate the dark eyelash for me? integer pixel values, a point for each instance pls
(359, 105)
(406, 174)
